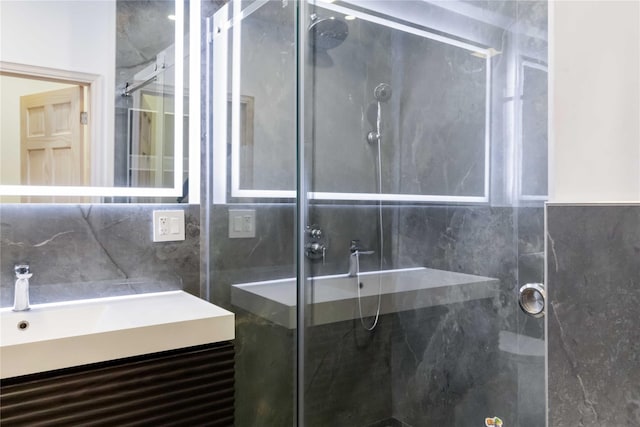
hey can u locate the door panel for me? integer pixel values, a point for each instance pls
(409, 294)
(35, 122)
(52, 138)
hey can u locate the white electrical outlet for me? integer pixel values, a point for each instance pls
(163, 225)
(168, 226)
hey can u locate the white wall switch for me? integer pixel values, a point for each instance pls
(242, 223)
(168, 226)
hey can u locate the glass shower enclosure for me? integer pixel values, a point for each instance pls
(374, 203)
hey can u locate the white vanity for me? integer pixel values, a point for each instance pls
(145, 359)
(61, 335)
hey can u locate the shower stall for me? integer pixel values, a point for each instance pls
(376, 172)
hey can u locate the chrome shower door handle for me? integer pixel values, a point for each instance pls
(532, 299)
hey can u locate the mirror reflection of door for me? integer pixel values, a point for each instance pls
(52, 148)
(144, 150)
(148, 132)
(151, 139)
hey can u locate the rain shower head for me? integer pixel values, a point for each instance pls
(382, 92)
(327, 33)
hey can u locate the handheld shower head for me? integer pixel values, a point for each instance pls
(382, 92)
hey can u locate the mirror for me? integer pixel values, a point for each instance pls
(90, 105)
(463, 120)
(437, 132)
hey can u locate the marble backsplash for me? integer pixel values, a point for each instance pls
(594, 294)
(88, 251)
(82, 251)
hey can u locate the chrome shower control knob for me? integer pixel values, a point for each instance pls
(315, 233)
(316, 251)
(531, 298)
(23, 271)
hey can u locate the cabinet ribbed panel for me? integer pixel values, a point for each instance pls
(190, 387)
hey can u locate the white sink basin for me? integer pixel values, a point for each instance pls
(335, 298)
(61, 335)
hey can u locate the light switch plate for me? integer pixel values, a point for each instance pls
(242, 223)
(168, 226)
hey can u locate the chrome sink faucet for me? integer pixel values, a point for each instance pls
(21, 296)
(354, 257)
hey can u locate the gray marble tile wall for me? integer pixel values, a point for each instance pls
(271, 254)
(594, 293)
(453, 357)
(88, 251)
(359, 378)
(348, 374)
(264, 372)
(348, 381)
(441, 120)
(445, 358)
(337, 380)
(447, 368)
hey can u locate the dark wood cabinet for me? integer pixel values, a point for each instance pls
(186, 387)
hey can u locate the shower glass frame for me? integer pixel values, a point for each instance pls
(223, 185)
(532, 64)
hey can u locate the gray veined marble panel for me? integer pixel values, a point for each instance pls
(340, 297)
(593, 322)
(91, 251)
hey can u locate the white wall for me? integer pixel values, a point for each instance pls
(68, 35)
(595, 101)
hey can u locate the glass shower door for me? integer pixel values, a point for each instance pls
(421, 178)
